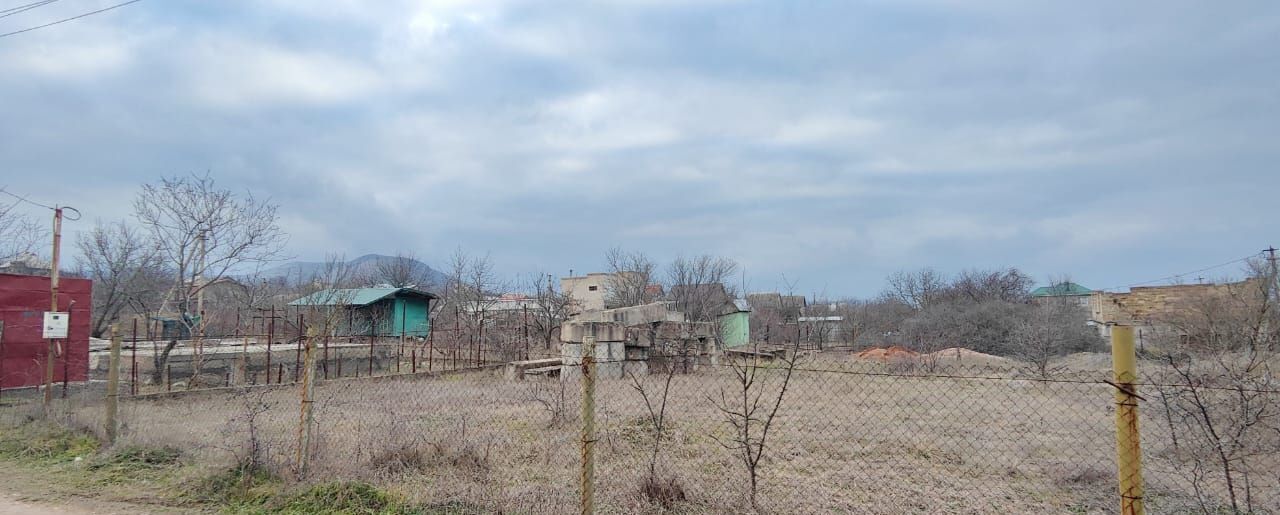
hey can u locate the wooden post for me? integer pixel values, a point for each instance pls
(404, 313)
(1, 357)
(53, 306)
(113, 385)
(308, 398)
(297, 352)
(1128, 446)
(271, 335)
(587, 483)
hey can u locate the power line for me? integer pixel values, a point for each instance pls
(22, 199)
(64, 20)
(27, 6)
(1176, 276)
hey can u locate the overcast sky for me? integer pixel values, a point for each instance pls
(831, 142)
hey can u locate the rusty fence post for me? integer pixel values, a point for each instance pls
(588, 425)
(133, 360)
(271, 335)
(1128, 446)
(113, 385)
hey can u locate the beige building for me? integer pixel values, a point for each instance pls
(590, 292)
(587, 291)
(1148, 308)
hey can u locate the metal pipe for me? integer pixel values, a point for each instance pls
(113, 385)
(271, 335)
(133, 365)
(1128, 445)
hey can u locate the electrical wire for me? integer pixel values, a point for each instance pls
(1184, 274)
(64, 20)
(27, 6)
(22, 199)
(24, 8)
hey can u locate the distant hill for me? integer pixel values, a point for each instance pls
(362, 266)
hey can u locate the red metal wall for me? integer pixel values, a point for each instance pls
(23, 301)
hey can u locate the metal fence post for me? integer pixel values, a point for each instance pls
(308, 396)
(1128, 447)
(133, 360)
(113, 385)
(588, 425)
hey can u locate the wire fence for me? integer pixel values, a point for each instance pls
(750, 430)
(267, 347)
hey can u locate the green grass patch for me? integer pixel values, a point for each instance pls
(343, 498)
(42, 442)
(133, 463)
(238, 489)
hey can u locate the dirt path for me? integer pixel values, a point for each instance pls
(23, 493)
(12, 504)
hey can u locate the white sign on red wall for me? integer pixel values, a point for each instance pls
(55, 324)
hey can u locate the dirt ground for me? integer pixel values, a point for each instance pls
(852, 436)
(24, 493)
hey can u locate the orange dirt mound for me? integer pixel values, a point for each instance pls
(886, 353)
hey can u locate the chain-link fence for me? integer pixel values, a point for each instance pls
(767, 429)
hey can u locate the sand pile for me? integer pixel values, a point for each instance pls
(886, 354)
(962, 353)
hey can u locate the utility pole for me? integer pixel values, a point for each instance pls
(53, 304)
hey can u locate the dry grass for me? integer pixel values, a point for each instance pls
(848, 440)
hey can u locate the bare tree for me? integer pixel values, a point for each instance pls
(631, 273)
(1008, 285)
(751, 406)
(550, 309)
(1219, 349)
(473, 290)
(19, 233)
(203, 233)
(126, 272)
(1052, 329)
(918, 289)
(329, 297)
(401, 271)
(663, 490)
(698, 286)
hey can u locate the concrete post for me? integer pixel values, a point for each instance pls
(1128, 446)
(113, 385)
(588, 425)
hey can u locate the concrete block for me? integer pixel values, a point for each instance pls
(576, 331)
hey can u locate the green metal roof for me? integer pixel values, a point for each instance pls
(1061, 290)
(357, 296)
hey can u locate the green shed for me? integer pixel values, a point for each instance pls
(735, 324)
(392, 312)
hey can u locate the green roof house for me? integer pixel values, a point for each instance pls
(392, 312)
(1066, 290)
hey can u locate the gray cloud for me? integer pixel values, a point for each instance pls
(834, 142)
